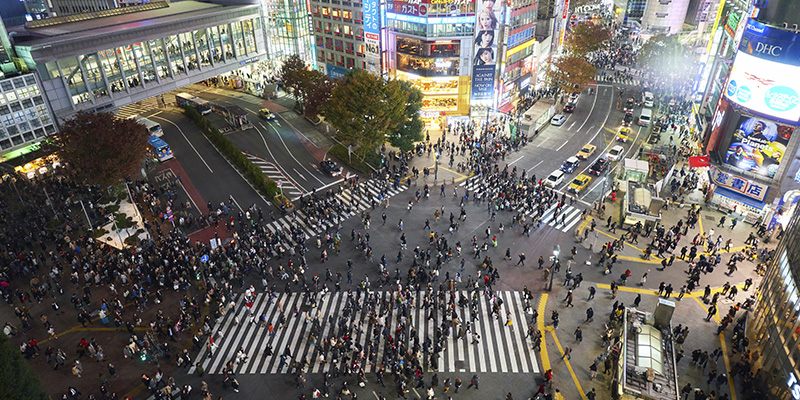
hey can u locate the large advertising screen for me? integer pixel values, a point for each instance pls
(765, 87)
(758, 145)
(485, 56)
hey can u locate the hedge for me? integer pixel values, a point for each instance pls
(266, 186)
(368, 166)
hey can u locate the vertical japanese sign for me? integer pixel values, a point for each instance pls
(485, 57)
(372, 36)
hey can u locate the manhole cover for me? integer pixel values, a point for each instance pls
(460, 365)
(305, 307)
(711, 218)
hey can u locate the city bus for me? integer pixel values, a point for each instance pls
(186, 99)
(154, 128)
(160, 148)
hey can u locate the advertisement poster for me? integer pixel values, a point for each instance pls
(372, 36)
(765, 87)
(485, 54)
(758, 146)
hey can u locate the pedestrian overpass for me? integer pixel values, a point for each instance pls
(104, 60)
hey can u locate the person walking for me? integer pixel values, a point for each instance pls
(567, 351)
(474, 381)
(589, 314)
(578, 334)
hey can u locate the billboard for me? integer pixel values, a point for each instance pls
(771, 44)
(411, 7)
(752, 189)
(485, 55)
(765, 87)
(758, 145)
(372, 36)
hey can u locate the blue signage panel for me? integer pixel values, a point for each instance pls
(482, 82)
(335, 72)
(769, 43)
(371, 18)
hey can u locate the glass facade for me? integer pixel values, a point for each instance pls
(24, 116)
(91, 77)
(288, 29)
(775, 326)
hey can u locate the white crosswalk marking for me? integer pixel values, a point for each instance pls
(299, 220)
(571, 215)
(272, 172)
(501, 348)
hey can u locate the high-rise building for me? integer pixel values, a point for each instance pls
(751, 137)
(288, 30)
(339, 36)
(430, 43)
(774, 330)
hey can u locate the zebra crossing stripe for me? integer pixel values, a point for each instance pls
(501, 348)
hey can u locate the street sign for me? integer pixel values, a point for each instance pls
(204, 258)
(280, 183)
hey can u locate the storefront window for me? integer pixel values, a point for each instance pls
(92, 69)
(215, 45)
(448, 8)
(450, 30)
(249, 36)
(408, 27)
(125, 55)
(74, 78)
(226, 42)
(108, 59)
(142, 51)
(52, 70)
(202, 47)
(190, 57)
(175, 57)
(238, 39)
(428, 66)
(160, 57)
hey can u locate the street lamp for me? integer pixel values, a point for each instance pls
(556, 252)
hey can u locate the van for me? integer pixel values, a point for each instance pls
(646, 117)
(554, 179)
(648, 99)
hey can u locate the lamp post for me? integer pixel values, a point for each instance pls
(556, 252)
(87, 215)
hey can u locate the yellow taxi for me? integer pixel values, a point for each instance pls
(266, 114)
(623, 134)
(579, 183)
(586, 152)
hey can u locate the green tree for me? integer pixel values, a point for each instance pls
(410, 131)
(570, 74)
(293, 76)
(365, 109)
(101, 148)
(17, 382)
(317, 92)
(586, 37)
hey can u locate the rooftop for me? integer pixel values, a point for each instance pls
(110, 22)
(649, 360)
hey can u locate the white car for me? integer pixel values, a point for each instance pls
(558, 119)
(615, 153)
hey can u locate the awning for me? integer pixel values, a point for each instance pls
(506, 108)
(739, 197)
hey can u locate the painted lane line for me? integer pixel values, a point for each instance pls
(188, 141)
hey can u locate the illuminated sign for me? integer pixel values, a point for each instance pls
(470, 19)
(411, 7)
(758, 145)
(740, 185)
(794, 387)
(769, 43)
(486, 52)
(765, 87)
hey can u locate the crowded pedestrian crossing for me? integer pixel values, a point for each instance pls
(564, 220)
(242, 335)
(314, 226)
